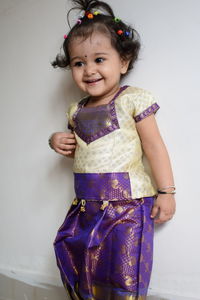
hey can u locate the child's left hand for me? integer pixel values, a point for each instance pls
(164, 208)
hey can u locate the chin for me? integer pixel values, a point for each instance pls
(94, 93)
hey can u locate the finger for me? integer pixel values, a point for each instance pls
(71, 135)
(65, 140)
(163, 218)
(159, 221)
(154, 211)
(68, 135)
(63, 152)
(67, 147)
(65, 134)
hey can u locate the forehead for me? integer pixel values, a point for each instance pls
(96, 41)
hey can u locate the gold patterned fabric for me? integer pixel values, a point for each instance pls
(106, 254)
(104, 293)
(104, 248)
(119, 150)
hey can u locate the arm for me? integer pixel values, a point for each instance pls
(157, 155)
(63, 143)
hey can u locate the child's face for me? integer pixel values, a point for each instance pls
(96, 66)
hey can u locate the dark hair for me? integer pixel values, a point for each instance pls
(123, 38)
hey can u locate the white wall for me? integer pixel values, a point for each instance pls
(37, 184)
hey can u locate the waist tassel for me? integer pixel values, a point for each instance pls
(104, 205)
(83, 202)
(75, 201)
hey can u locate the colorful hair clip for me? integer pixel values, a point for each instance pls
(117, 20)
(127, 33)
(96, 13)
(79, 21)
(90, 16)
(65, 36)
(120, 32)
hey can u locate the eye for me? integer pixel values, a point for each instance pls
(78, 64)
(99, 60)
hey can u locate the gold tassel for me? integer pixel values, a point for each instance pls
(75, 202)
(83, 202)
(104, 205)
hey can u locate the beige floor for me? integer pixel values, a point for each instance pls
(12, 289)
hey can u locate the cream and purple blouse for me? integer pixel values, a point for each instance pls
(108, 157)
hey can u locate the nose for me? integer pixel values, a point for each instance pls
(90, 69)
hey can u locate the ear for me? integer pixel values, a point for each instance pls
(124, 66)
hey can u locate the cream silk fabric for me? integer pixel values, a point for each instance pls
(120, 150)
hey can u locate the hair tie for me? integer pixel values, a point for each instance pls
(90, 16)
(65, 36)
(96, 13)
(87, 14)
(117, 20)
(120, 32)
(79, 21)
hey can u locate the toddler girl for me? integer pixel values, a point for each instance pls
(104, 247)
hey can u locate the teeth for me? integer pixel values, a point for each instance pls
(94, 80)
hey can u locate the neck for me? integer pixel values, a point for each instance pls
(104, 99)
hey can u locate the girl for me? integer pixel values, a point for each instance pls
(104, 247)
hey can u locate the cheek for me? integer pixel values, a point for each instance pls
(75, 75)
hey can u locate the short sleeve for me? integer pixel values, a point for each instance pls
(71, 110)
(144, 105)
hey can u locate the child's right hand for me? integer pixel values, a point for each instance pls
(63, 143)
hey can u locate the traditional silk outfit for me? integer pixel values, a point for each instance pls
(104, 247)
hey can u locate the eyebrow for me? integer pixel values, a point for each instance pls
(75, 57)
(101, 53)
(95, 54)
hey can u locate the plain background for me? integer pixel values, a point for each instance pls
(37, 184)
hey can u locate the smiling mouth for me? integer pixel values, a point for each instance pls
(92, 81)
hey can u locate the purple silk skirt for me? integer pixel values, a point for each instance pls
(104, 247)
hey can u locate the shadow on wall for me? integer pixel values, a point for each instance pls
(13, 289)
